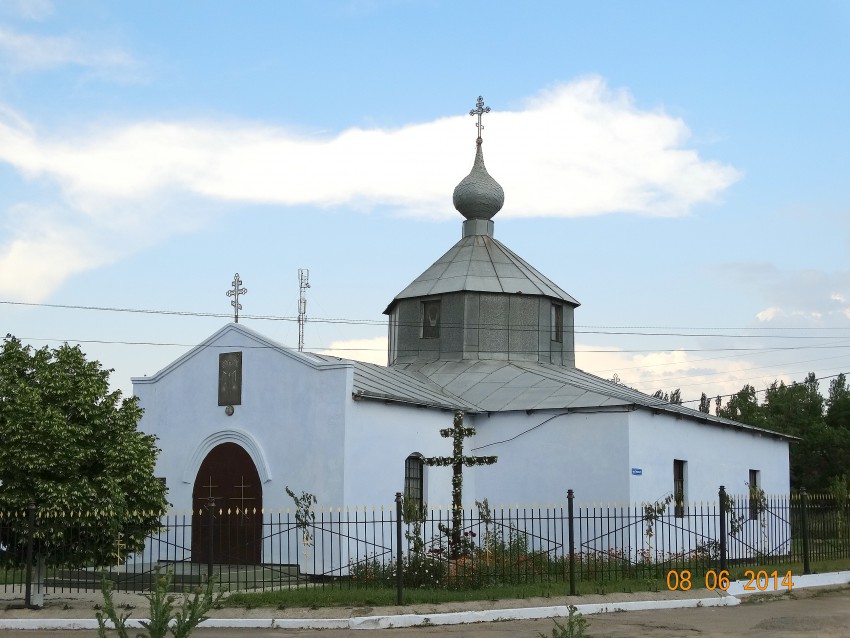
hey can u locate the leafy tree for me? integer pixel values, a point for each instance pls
(794, 408)
(673, 397)
(838, 403)
(799, 409)
(71, 447)
(704, 404)
(742, 407)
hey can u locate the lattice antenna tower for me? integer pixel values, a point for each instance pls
(303, 284)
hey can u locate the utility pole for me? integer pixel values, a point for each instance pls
(303, 284)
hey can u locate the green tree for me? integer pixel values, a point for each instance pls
(704, 404)
(799, 409)
(742, 406)
(70, 446)
(838, 403)
(794, 409)
(673, 397)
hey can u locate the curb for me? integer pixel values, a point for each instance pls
(737, 588)
(729, 599)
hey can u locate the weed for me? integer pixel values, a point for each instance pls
(191, 612)
(575, 628)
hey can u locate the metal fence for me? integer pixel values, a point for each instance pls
(383, 547)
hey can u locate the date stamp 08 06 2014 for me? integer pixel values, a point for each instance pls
(761, 580)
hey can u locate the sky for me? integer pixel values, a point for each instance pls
(679, 168)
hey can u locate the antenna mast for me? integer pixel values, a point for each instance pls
(303, 284)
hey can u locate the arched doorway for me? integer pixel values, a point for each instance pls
(229, 476)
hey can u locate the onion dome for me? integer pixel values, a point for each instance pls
(478, 196)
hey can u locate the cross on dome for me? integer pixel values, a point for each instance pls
(479, 110)
(478, 196)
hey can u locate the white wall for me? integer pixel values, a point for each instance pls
(715, 456)
(379, 437)
(585, 452)
(293, 411)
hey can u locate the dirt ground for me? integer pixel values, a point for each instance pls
(809, 612)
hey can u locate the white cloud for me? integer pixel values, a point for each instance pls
(769, 314)
(32, 9)
(27, 52)
(816, 298)
(578, 149)
(372, 350)
(693, 373)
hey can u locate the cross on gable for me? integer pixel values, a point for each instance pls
(235, 292)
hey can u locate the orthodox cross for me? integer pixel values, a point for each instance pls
(235, 294)
(242, 498)
(479, 110)
(210, 488)
(457, 460)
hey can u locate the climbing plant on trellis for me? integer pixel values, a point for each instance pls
(457, 433)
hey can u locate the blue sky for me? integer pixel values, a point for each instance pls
(679, 168)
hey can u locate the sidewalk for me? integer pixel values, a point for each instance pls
(77, 610)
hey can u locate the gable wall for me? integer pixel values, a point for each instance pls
(294, 414)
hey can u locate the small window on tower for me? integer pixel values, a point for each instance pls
(557, 322)
(430, 319)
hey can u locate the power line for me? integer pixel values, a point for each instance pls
(723, 396)
(602, 330)
(356, 349)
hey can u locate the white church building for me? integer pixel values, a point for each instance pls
(239, 417)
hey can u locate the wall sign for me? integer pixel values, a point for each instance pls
(637, 471)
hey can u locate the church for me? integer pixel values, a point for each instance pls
(240, 417)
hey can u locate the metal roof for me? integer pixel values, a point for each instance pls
(503, 386)
(373, 381)
(481, 263)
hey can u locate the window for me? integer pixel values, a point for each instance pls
(679, 494)
(557, 322)
(755, 495)
(431, 319)
(414, 483)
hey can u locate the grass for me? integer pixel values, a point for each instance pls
(377, 596)
(384, 596)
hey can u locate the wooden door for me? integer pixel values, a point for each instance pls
(229, 477)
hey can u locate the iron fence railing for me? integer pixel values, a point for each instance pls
(380, 547)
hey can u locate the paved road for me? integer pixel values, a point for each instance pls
(811, 612)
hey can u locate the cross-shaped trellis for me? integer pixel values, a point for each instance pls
(457, 461)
